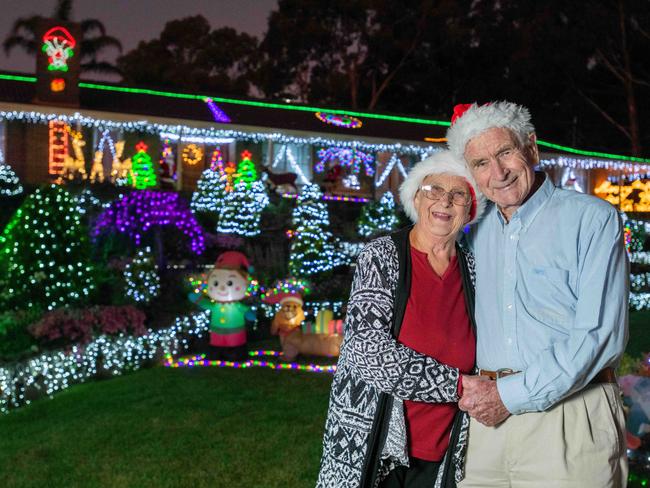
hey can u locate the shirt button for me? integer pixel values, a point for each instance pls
(509, 307)
(509, 341)
(513, 237)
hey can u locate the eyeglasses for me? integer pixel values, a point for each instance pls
(435, 193)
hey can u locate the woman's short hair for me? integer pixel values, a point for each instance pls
(441, 162)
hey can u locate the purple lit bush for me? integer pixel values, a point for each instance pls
(139, 212)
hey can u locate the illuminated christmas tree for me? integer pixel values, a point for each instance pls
(143, 170)
(44, 253)
(246, 170)
(242, 209)
(634, 232)
(312, 250)
(210, 192)
(141, 277)
(378, 217)
(9, 183)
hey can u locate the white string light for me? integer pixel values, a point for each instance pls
(208, 135)
(637, 169)
(9, 183)
(313, 246)
(286, 151)
(241, 210)
(52, 372)
(640, 301)
(387, 170)
(106, 139)
(141, 277)
(378, 217)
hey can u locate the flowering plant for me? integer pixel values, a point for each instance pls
(66, 326)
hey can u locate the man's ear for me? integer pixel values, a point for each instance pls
(533, 148)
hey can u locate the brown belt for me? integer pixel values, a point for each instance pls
(606, 375)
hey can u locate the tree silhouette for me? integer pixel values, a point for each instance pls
(94, 39)
(190, 55)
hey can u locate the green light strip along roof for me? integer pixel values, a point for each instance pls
(30, 79)
(593, 154)
(252, 103)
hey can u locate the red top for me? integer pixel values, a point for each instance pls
(436, 324)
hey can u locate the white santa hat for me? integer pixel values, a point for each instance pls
(471, 120)
(441, 162)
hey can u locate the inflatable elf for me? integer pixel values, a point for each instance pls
(227, 285)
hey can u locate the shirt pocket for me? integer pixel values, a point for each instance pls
(548, 295)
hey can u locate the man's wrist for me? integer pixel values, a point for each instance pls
(512, 393)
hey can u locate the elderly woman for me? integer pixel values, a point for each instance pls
(393, 419)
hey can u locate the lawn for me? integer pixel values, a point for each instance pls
(207, 427)
(639, 342)
(201, 427)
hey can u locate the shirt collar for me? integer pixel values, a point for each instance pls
(527, 212)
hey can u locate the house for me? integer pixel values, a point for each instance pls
(54, 126)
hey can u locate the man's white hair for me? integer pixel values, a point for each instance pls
(441, 162)
(477, 119)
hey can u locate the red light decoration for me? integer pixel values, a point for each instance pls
(57, 85)
(58, 145)
(58, 45)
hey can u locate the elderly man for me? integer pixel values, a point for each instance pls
(551, 311)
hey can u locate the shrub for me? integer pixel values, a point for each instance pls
(70, 326)
(15, 341)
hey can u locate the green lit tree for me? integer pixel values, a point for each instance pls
(378, 217)
(246, 170)
(45, 253)
(313, 246)
(143, 170)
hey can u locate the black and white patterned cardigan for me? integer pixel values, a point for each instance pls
(365, 432)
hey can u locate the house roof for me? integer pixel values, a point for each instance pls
(242, 112)
(250, 114)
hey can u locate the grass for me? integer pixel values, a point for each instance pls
(203, 427)
(639, 342)
(206, 427)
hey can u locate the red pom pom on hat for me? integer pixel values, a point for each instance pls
(459, 110)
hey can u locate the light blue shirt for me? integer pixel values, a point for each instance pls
(552, 291)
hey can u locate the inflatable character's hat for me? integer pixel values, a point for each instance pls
(233, 260)
(288, 290)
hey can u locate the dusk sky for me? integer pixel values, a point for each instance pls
(132, 21)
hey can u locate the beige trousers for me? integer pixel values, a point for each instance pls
(578, 443)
